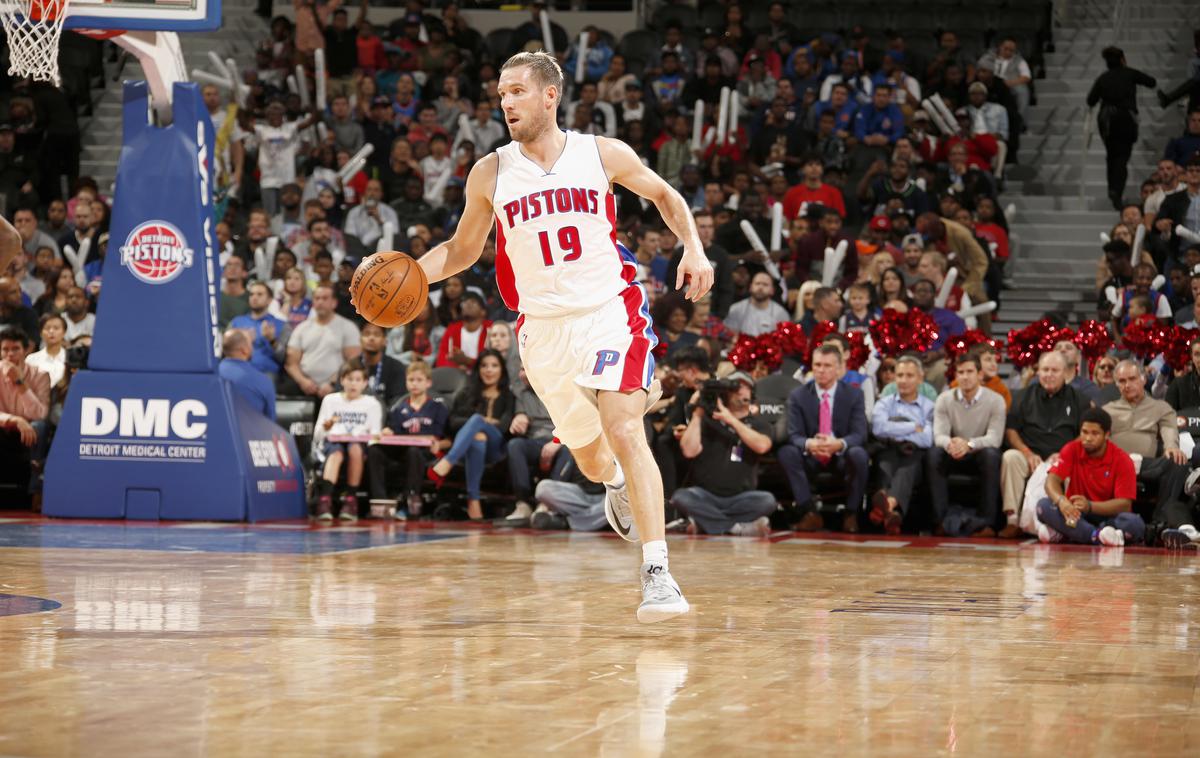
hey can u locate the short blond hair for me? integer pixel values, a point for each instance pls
(545, 68)
(419, 367)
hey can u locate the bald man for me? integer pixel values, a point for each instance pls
(235, 368)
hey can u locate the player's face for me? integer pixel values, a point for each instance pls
(528, 107)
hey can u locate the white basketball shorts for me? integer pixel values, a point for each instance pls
(568, 359)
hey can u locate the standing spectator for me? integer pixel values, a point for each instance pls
(347, 132)
(725, 444)
(1043, 420)
(18, 173)
(13, 311)
(341, 51)
(1183, 206)
(386, 376)
(1102, 488)
(759, 313)
(277, 145)
(319, 346)
(234, 299)
(235, 368)
(24, 403)
(722, 291)
(968, 429)
(270, 333)
(903, 422)
(1142, 426)
(676, 151)
(1116, 91)
(365, 221)
(414, 414)
(379, 131)
(464, 339)
(959, 245)
(827, 430)
(350, 413)
(482, 411)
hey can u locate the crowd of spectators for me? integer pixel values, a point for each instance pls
(833, 131)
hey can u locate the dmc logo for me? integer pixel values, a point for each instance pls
(156, 252)
(142, 419)
(272, 453)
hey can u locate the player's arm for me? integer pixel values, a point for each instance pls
(10, 245)
(461, 251)
(625, 168)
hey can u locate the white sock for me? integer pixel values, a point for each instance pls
(1011, 517)
(655, 551)
(618, 478)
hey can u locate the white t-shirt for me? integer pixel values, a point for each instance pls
(86, 326)
(54, 365)
(744, 318)
(470, 342)
(362, 415)
(434, 170)
(277, 154)
(321, 346)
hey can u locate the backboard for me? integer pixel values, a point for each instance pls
(157, 15)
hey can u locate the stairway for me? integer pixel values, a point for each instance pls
(237, 38)
(1059, 231)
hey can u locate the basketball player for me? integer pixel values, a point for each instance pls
(584, 332)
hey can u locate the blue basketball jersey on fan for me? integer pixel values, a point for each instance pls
(556, 232)
(431, 418)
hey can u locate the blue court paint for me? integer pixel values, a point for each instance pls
(17, 605)
(233, 539)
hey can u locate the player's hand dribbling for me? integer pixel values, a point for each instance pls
(697, 272)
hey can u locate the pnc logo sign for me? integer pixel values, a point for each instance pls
(156, 252)
(142, 419)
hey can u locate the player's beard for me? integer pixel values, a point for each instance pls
(530, 129)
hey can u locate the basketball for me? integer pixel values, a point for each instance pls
(389, 289)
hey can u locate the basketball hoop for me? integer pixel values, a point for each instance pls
(33, 28)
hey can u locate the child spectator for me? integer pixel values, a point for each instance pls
(414, 414)
(348, 412)
(861, 311)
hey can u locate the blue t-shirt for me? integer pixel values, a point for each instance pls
(431, 418)
(263, 358)
(251, 383)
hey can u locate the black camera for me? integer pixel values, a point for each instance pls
(77, 357)
(713, 390)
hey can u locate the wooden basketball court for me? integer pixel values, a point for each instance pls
(283, 639)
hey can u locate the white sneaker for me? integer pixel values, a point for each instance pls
(759, 527)
(520, 511)
(1047, 535)
(661, 597)
(1112, 537)
(619, 513)
(1192, 485)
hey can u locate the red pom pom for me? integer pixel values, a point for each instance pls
(791, 338)
(1145, 337)
(741, 355)
(1093, 340)
(1026, 345)
(860, 351)
(1178, 355)
(895, 332)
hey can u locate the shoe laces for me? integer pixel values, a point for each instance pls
(657, 585)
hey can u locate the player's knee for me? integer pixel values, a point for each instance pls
(626, 436)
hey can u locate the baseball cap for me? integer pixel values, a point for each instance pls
(742, 376)
(881, 224)
(977, 87)
(381, 100)
(920, 116)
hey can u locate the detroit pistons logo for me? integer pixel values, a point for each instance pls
(156, 252)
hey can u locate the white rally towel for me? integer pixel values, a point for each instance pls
(1035, 490)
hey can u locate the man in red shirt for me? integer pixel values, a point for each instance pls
(1096, 508)
(812, 190)
(464, 340)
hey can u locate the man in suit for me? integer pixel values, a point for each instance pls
(827, 428)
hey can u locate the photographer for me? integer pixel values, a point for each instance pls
(725, 440)
(365, 221)
(903, 423)
(690, 369)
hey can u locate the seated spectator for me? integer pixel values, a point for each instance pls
(827, 430)
(318, 347)
(1143, 278)
(270, 333)
(464, 340)
(365, 220)
(1142, 426)
(879, 123)
(689, 369)
(531, 447)
(812, 190)
(811, 247)
(352, 413)
(410, 209)
(52, 358)
(601, 113)
(26, 223)
(79, 320)
(54, 300)
(289, 221)
(481, 413)
(843, 108)
(960, 247)
(948, 323)
(857, 83)
(1073, 376)
(24, 404)
(903, 423)
(826, 306)
(436, 169)
(386, 376)
(416, 414)
(235, 368)
(968, 429)
(672, 314)
(568, 499)
(725, 444)
(933, 266)
(989, 362)
(1010, 68)
(1040, 422)
(347, 132)
(1096, 506)
(293, 305)
(320, 237)
(860, 310)
(1182, 149)
(1178, 206)
(13, 311)
(235, 301)
(759, 313)
(992, 116)
(877, 191)
(1184, 390)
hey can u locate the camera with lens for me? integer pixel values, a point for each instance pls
(713, 390)
(77, 357)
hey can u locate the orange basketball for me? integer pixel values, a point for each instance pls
(389, 289)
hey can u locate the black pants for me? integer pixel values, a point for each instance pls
(524, 456)
(414, 459)
(899, 474)
(983, 463)
(671, 463)
(1120, 134)
(1169, 479)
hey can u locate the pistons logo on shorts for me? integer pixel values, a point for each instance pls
(156, 252)
(604, 359)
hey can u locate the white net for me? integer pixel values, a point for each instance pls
(33, 28)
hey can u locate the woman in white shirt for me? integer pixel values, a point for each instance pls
(53, 357)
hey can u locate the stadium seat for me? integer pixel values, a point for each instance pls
(499, 42)
(639, 44)
(446, 382)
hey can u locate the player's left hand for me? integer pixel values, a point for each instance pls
(697, 272)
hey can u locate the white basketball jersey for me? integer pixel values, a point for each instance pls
(556, 232)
